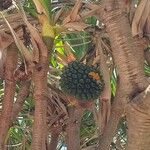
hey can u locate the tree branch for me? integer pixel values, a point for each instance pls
(54, 139)
(40, 97)
(21, 97)
(139, 110)
(73, 128)
(106, 94)
(117, 110)
(9, 92)
(5, 41)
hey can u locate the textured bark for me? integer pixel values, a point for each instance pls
(124, 53)
(21, 97)
(105, 98)
(54, 139)
(93, 147)
(5, 41)
(40, 97)
(117, 110)
(129, 60)
(138, 119)
(73, 129)
(9, 92)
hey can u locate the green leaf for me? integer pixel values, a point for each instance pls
(47, 6)
(79, 42)
(30, 8)
(92, 21)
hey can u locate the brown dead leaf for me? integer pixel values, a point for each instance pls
(143, 19)
(75, 10)
(76, 26)
(74, 16)
(68, 51)
(36, 54)
(91, 6)
(39, 7)
(58, 14)
(36, 36)
(147, 27)
(89, 13)
(140, 18)
(5, 40)
(23, 50)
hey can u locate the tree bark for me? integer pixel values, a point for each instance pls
(40, 97)
(73, 129)
(9, 92)
(138, 121)
(125, 56)
(129, 60)
(117, 109)
(54, 139)
(21, 97)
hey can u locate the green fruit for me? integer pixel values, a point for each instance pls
(76, 81)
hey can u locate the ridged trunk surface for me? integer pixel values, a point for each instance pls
(40, 97)
(54, 139)
(138, 119)
(125, 52)
(9, 92)
(129, 60)
(73, 129)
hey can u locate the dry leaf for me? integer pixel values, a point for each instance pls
(75, 10)
(36, 54)
(143, 19)
(74, 16)
(39, 7)
(5, 40)
(62, 57)
(89, 13)
(78, 26)
(58, 14)
(140, 18)
(70, 56)
(23, 50)
(34, 33)
(147, 27)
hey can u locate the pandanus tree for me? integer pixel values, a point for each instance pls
(70, 57)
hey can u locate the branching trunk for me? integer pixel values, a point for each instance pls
(138, 119)
(117, 110)
(40, 96)
(73, 129)
(129, 60)
(9, 92)
(126, 58)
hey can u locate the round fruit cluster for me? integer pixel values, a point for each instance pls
(81, 81)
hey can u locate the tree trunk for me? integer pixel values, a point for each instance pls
(117, 110)
(54, 139)
(9, 92)
(73, 129)
(129, 60)
(123, 46)
(138, 121)
(40, 97)
(21, 97)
